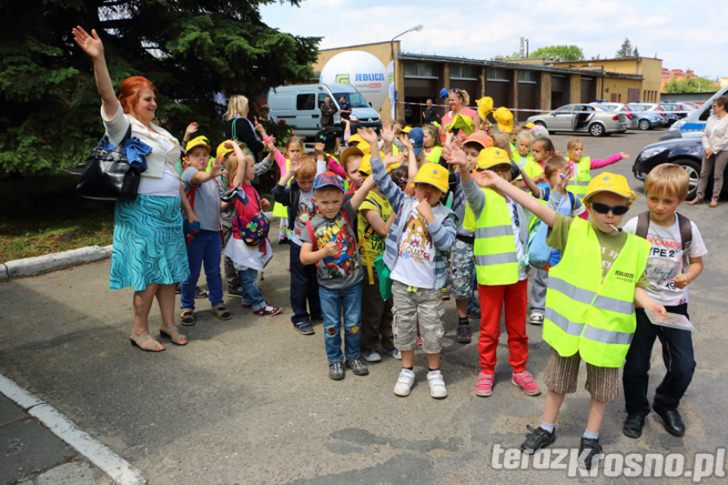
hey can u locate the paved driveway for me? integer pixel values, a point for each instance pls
(249, 400)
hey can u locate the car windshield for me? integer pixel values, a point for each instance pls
(355, 99)
(638, 107)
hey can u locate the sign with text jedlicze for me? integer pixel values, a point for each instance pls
(360, 69)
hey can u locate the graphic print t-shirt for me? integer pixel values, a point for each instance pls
(415, 264)
(304, 213)
(666, 259)
(342, 270)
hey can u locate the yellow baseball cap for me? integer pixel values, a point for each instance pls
(490, 157)
(361, 144)
(485, 106)
(610, 182)
(198, 141)
(433, 174)
(365, 166)
(504, 118)
(222, 150)
(406, 129)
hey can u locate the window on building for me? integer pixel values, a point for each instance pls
(464, 72)
(495, 74)
(420, 69)
(528, 77)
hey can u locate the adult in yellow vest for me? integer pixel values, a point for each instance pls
(589, 303)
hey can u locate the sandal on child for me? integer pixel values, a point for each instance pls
(187, 316)
(146, 343)
(221, 312)
(172, 333)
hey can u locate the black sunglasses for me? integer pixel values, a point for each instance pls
(617, 210)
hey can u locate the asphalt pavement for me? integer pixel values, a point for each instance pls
(249, 400)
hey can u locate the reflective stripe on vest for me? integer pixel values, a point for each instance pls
(494, 249)
(585, 313)
(578, 183)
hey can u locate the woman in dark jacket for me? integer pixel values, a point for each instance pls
(239, 127)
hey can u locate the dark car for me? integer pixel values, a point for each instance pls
(686, 152)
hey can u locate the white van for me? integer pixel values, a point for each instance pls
(298, 106)
(694, 123)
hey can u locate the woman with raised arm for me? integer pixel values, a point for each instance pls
(149, 250)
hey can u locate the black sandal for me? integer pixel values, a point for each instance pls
(187, 315)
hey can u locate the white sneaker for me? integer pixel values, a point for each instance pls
(536, 318)
(437, 384)
(396, 354)
(373, 356)
(404, 384)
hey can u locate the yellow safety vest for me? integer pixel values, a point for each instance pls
(434, 155)
(533, 169)
(578, 183)
(496, 262)
(280, 210)
(588, 314)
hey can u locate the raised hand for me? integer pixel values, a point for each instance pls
(368, 135)
(624, 155)
(90, 43)
(564, 177)
(191, 128)
(455, 155)
(487, 178)
(387, 132)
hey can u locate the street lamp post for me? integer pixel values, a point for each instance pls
(393, 88)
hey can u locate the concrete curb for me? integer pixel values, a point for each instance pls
(117, 468)
(52, 262)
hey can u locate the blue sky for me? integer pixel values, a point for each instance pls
(685, 34)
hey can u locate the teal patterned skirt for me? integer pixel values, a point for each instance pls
(149, 247)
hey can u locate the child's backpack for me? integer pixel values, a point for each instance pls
(538, 253)
(255, 232)
(686, 232)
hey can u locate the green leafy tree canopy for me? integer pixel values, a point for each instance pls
(691, 85)
(558, 53)
(191, 50)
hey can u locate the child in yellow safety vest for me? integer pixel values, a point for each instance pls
(581, 167)
(374, 221)
(501, 235)
(590, 301)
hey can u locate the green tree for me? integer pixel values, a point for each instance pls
(189, 49)
(558, 53)
(691, 85)
(627, 50)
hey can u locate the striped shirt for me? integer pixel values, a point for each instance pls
(442, 230)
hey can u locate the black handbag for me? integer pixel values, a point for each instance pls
(108, 175)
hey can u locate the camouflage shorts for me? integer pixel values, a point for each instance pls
(462, 266)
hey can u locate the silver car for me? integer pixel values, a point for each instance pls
(583, 118)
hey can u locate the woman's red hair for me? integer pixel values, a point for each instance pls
(130, 90)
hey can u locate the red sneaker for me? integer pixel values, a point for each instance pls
(484, 384)
(525, 381)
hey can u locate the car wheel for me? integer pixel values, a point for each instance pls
(645, 125)
(692, 167)
(597, 129)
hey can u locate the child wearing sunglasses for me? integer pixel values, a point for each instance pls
(590, 301)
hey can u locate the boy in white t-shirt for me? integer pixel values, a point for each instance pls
(675, 261)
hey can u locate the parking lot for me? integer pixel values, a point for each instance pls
(249, 400)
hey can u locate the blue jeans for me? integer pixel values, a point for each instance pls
(677, 355)
(204, 248)
(333, 304)
(251, 292)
